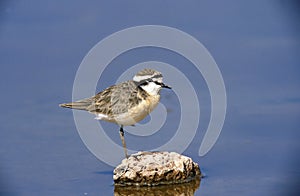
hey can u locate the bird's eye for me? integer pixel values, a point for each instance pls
(144, 83)
(158, 83)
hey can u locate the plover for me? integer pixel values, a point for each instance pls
(126, 103)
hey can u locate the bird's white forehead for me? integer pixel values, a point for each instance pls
(147, 74)
(154, 77)
(160, 79)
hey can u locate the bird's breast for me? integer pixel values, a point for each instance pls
(138, 112)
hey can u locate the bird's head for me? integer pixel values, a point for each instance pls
(150, 80)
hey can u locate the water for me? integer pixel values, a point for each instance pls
(180, 189)
(256, 47)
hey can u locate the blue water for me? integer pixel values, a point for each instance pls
(255, 44)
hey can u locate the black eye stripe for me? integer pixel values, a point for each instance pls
(146, 81)
(141, 83)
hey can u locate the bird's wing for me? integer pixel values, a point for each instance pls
(101, 102)
(115, 99)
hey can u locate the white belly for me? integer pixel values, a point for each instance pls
(137, 113)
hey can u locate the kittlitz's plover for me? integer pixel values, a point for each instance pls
(126, 103)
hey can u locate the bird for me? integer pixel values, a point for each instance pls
(125, 103)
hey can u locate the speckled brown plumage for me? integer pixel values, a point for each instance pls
(111, 101)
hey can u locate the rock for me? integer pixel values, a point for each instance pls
(155, 168)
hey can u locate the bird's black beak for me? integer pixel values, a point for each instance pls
(165, 86)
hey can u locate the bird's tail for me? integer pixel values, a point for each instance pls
(78, 105)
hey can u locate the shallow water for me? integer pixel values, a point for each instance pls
(255, 44)
(176, 190)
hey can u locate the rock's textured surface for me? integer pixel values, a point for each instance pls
(155, 168)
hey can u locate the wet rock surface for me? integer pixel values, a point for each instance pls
(155, 168)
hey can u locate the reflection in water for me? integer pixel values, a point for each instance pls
(184, 189)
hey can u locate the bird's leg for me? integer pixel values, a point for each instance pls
(123, 141)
